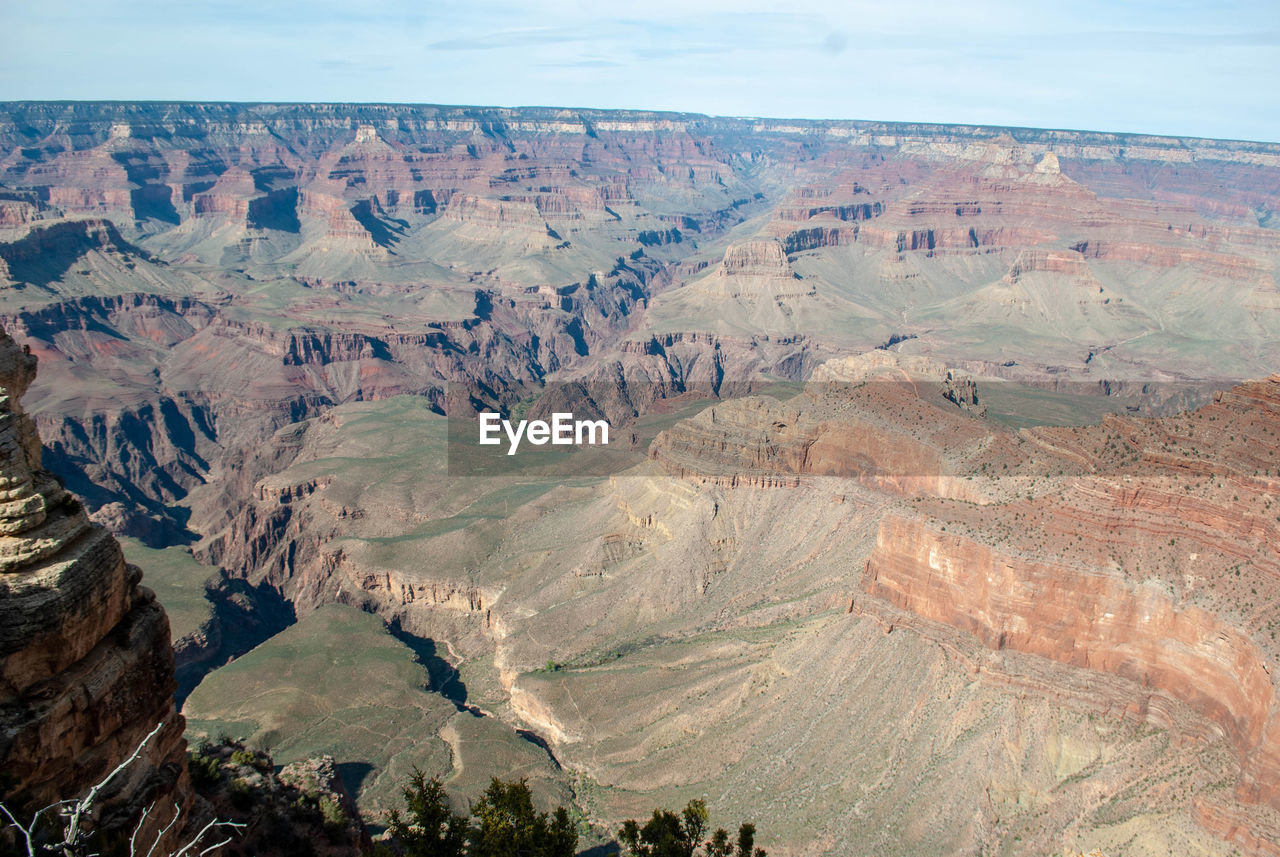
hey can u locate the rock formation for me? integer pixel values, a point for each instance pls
(754, 271)
(86, 669)
(1138, 549)
(222, 295)
(471, 245)
(1092, 620)
(760, 516)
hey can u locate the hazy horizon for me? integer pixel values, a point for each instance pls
(1178, 69)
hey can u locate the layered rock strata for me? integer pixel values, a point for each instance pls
(86, 669)
(1094, 620)
(1139, 552)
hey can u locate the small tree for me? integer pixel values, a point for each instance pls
(669, 835)
(695, 817)
(506, 825)
(663, 835)
(432, 829)
(747, 841)
(719, 846)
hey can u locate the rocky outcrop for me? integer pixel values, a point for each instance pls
(228, 199)
(840, 427)
(17, 213)
(963, 393)
(495, 214)
(405, 589)
(813, 238)
(953, 238)
(851, 212)
(323, 202)
(1158, 256)
(46, 251)
(86, 671)
(759, 271)
(1089, 619)
(756, 258)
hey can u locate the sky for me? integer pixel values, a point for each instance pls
(1170, 67)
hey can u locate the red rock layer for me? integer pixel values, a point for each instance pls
(1093, 620)
(1150, 557)
(86, 668)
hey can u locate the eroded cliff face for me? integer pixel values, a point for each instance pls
(220, 294)
(857, 419)
(1093, 620)
(86, 669)
(1156, 564)
(1142, 550)
(1102, 685)
(1111, 548)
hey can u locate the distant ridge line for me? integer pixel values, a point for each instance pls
(35, 114)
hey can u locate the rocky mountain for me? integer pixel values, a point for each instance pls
(196, 276)
(906, 601)
(860, 589)
(86, 668)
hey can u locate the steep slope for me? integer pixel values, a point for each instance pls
(86, 671)
(337, 684)
(251, 318)
(159, 254)
(765, 589)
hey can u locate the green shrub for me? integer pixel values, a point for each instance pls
(241, 794)
(335, 819)
(243, 758)
(206, 771)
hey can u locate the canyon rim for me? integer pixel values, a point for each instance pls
(902, 488)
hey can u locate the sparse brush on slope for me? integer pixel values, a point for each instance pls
(669, 835)
(504, 824)
(298, 810)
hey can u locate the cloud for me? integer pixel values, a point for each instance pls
(512, 39)
(1104, 64)
(835, 43)
(584, 63)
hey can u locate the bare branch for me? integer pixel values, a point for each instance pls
(177, 813)
(93, 792)
(26, 832)
(195, 840)
(138, 828)
(218, 845)
(73, 834)
(75, 812)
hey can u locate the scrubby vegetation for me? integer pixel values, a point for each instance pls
(669, 835)
(504, 823)
(298, 811)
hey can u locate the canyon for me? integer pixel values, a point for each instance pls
(951, 524)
